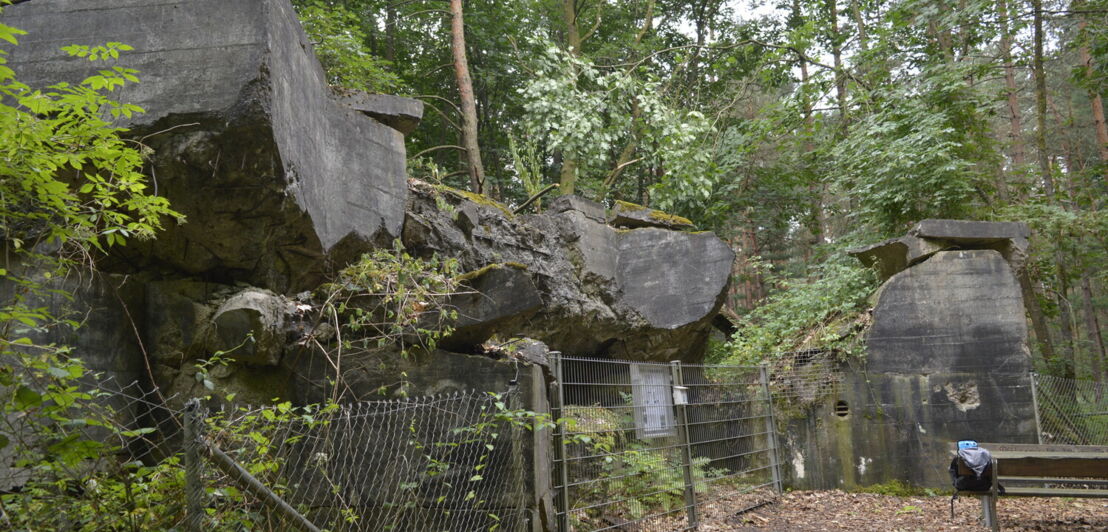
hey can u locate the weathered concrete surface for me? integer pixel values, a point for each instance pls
(107, 339)
(931, 236)
(970, 231)
(645, 294)
(959, 311)
(400, 113)
(591, 209)
(107, 343)
(630, 215)
(685, 289)
(500, 293)
(250, 327)
(274, 175)
(947, 360)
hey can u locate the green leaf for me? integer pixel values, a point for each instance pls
(26, 398)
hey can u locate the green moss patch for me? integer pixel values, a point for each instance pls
(479, 199)
(671, 219)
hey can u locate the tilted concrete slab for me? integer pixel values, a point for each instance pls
(934, 235)
(275, 176)
(970, 230)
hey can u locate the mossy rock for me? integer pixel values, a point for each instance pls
(479, 199)
(633, 216)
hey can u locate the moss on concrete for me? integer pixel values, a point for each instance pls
(479, 199)
(654, 214)
(628, 206)
(671, 219)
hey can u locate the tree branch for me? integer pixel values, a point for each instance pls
(436, 148)
(534, 198)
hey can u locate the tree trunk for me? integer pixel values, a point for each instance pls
(815, 191)
(568, 178)
(840, 78)
(1097, 354)
(390, 33)
(1015, 129)
(1065, 314)
(1038, 320)
(1094, 96)
(465, 93)
(624, 159)
(1040, 99)
(860, 23)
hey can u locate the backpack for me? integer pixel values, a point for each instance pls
(971, 470)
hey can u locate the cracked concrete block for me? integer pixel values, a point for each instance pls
(275, 176)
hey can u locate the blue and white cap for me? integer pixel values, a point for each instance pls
(966, 444)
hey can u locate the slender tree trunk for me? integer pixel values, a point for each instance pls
(624, 159)
(860, 23)
(1094, 96)
(750, 290)
(837, 56)
(465, 93)
(1015, 129)
(1038, 319)
(647, 23)
(1040, 99)
(815, 195)
(568, 178)
(1065, 315)
(1097, 354)
(390, 33)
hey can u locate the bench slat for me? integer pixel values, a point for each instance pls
(1054, 492)
(1056, 480)
(1035, 447)
(1062, 466)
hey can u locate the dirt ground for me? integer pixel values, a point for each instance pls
(837, 510)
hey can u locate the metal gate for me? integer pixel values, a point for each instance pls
(661, 446)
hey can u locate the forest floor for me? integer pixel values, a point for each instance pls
(838, 510)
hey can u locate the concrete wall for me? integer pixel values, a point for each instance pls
(947, 360)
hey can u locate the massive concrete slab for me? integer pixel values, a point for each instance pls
(275, 176)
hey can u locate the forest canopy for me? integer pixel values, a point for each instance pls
(793, 129)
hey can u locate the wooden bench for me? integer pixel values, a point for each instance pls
(1036, 470)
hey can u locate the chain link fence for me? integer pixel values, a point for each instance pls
(1071, 411)
(647, 446)
(438, 463)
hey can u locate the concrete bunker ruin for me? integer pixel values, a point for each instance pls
(946, 359)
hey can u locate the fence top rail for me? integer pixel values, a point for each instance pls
(653, 363)
(384, 407)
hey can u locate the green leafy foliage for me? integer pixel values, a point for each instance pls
(915, 157)
(70, 187)
(388, 299)
(634, 478)
(818, 312)
(587, 112)
(340, 45)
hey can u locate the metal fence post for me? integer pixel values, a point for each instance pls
(559, 375)
(1035, 405)
(771, 430)
(194, 487)
(680, 400)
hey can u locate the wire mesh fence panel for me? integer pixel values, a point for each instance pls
(804, 377)
(107, 460)
(649, 446)
(1071, 411)
(440, 463)
(732, 435)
